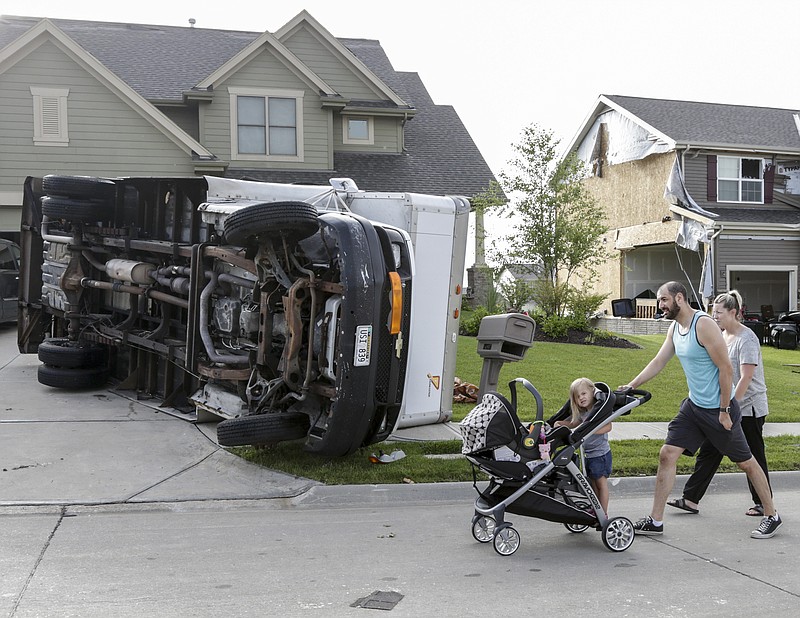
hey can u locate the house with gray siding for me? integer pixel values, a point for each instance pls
(298, 105)
(705, 193)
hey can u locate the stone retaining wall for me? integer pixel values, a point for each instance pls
(632, 326)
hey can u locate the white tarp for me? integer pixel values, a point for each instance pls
(707, 278)
(690, 234)
(626, 141)
(676, 194)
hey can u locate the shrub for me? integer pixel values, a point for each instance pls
(581, 305)
(472, 322)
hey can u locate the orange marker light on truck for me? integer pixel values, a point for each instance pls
(396, 301)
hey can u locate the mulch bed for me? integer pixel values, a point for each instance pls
(586, 338)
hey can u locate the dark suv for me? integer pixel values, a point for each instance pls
(286, 321)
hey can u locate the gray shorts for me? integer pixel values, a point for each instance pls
(694, 424)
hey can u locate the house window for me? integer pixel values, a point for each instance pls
(357, 130)
(266, 124)
(50, 126)
(740, 180)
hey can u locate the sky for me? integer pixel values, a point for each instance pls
(507, 64)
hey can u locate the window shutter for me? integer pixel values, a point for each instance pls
(711, 181)
(50, 124)
(769, 182)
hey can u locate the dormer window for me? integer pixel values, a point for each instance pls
(358, 130)
(740, 180)
(266, 125)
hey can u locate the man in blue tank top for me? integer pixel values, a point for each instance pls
(708, 412)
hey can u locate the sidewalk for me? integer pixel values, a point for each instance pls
(620, 431)
(98, 447)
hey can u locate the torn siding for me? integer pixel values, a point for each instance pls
(615, 139)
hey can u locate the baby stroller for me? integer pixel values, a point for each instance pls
(555, 489)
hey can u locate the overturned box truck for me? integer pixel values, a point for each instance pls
(288, 312)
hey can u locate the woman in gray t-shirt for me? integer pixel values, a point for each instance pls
(744, 350)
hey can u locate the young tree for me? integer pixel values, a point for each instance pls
(558, 223)
(516, 293)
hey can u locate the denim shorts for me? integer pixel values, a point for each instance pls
(598, 467)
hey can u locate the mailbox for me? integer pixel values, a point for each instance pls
(502, 338)
(505, 337)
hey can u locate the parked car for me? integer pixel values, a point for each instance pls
(9, 280)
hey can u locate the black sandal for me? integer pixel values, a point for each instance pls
(680, 503)
(755, 511)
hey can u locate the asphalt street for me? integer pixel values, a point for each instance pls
(110, 507)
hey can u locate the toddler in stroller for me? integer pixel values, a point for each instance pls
(596, 451)
(524, 482)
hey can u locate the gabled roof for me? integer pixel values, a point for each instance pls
(705, 125)
(159, 62)
(164, 63)
(304, 19)
(45, 30)
(287, 57)
(440, 158)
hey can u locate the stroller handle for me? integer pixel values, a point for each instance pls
(641, 395)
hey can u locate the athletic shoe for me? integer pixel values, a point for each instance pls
(767, 528)
(646, 527)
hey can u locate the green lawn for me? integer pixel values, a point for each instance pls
(424, 462)
(551, 367)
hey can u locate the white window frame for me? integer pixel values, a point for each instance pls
(50, 122)
(346, 139)
(739, 180)
(789, 269)
(266, 93)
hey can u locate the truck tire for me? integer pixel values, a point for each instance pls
(296, 220)
(262, 428)
(79, 187)
(72, 209)
(72, 378)
(61, 352)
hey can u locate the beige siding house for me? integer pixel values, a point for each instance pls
(297, 105)
(704, 193)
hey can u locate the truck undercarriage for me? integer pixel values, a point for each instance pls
(286, 321)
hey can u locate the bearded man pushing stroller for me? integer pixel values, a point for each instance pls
(708, 412)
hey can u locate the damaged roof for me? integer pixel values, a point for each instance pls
(717, 124)
(696, 124)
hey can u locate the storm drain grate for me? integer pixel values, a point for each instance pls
(379, 600)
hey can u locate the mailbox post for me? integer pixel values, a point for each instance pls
(502, 338)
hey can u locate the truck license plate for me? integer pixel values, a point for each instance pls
(363, 345)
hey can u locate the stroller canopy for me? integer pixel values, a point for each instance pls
(490, 424)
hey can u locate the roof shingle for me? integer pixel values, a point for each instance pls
(699, 124)
(163, 62)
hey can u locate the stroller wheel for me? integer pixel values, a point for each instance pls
(576, 528)
(506, 541)
(618, 534)
(483, 529)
